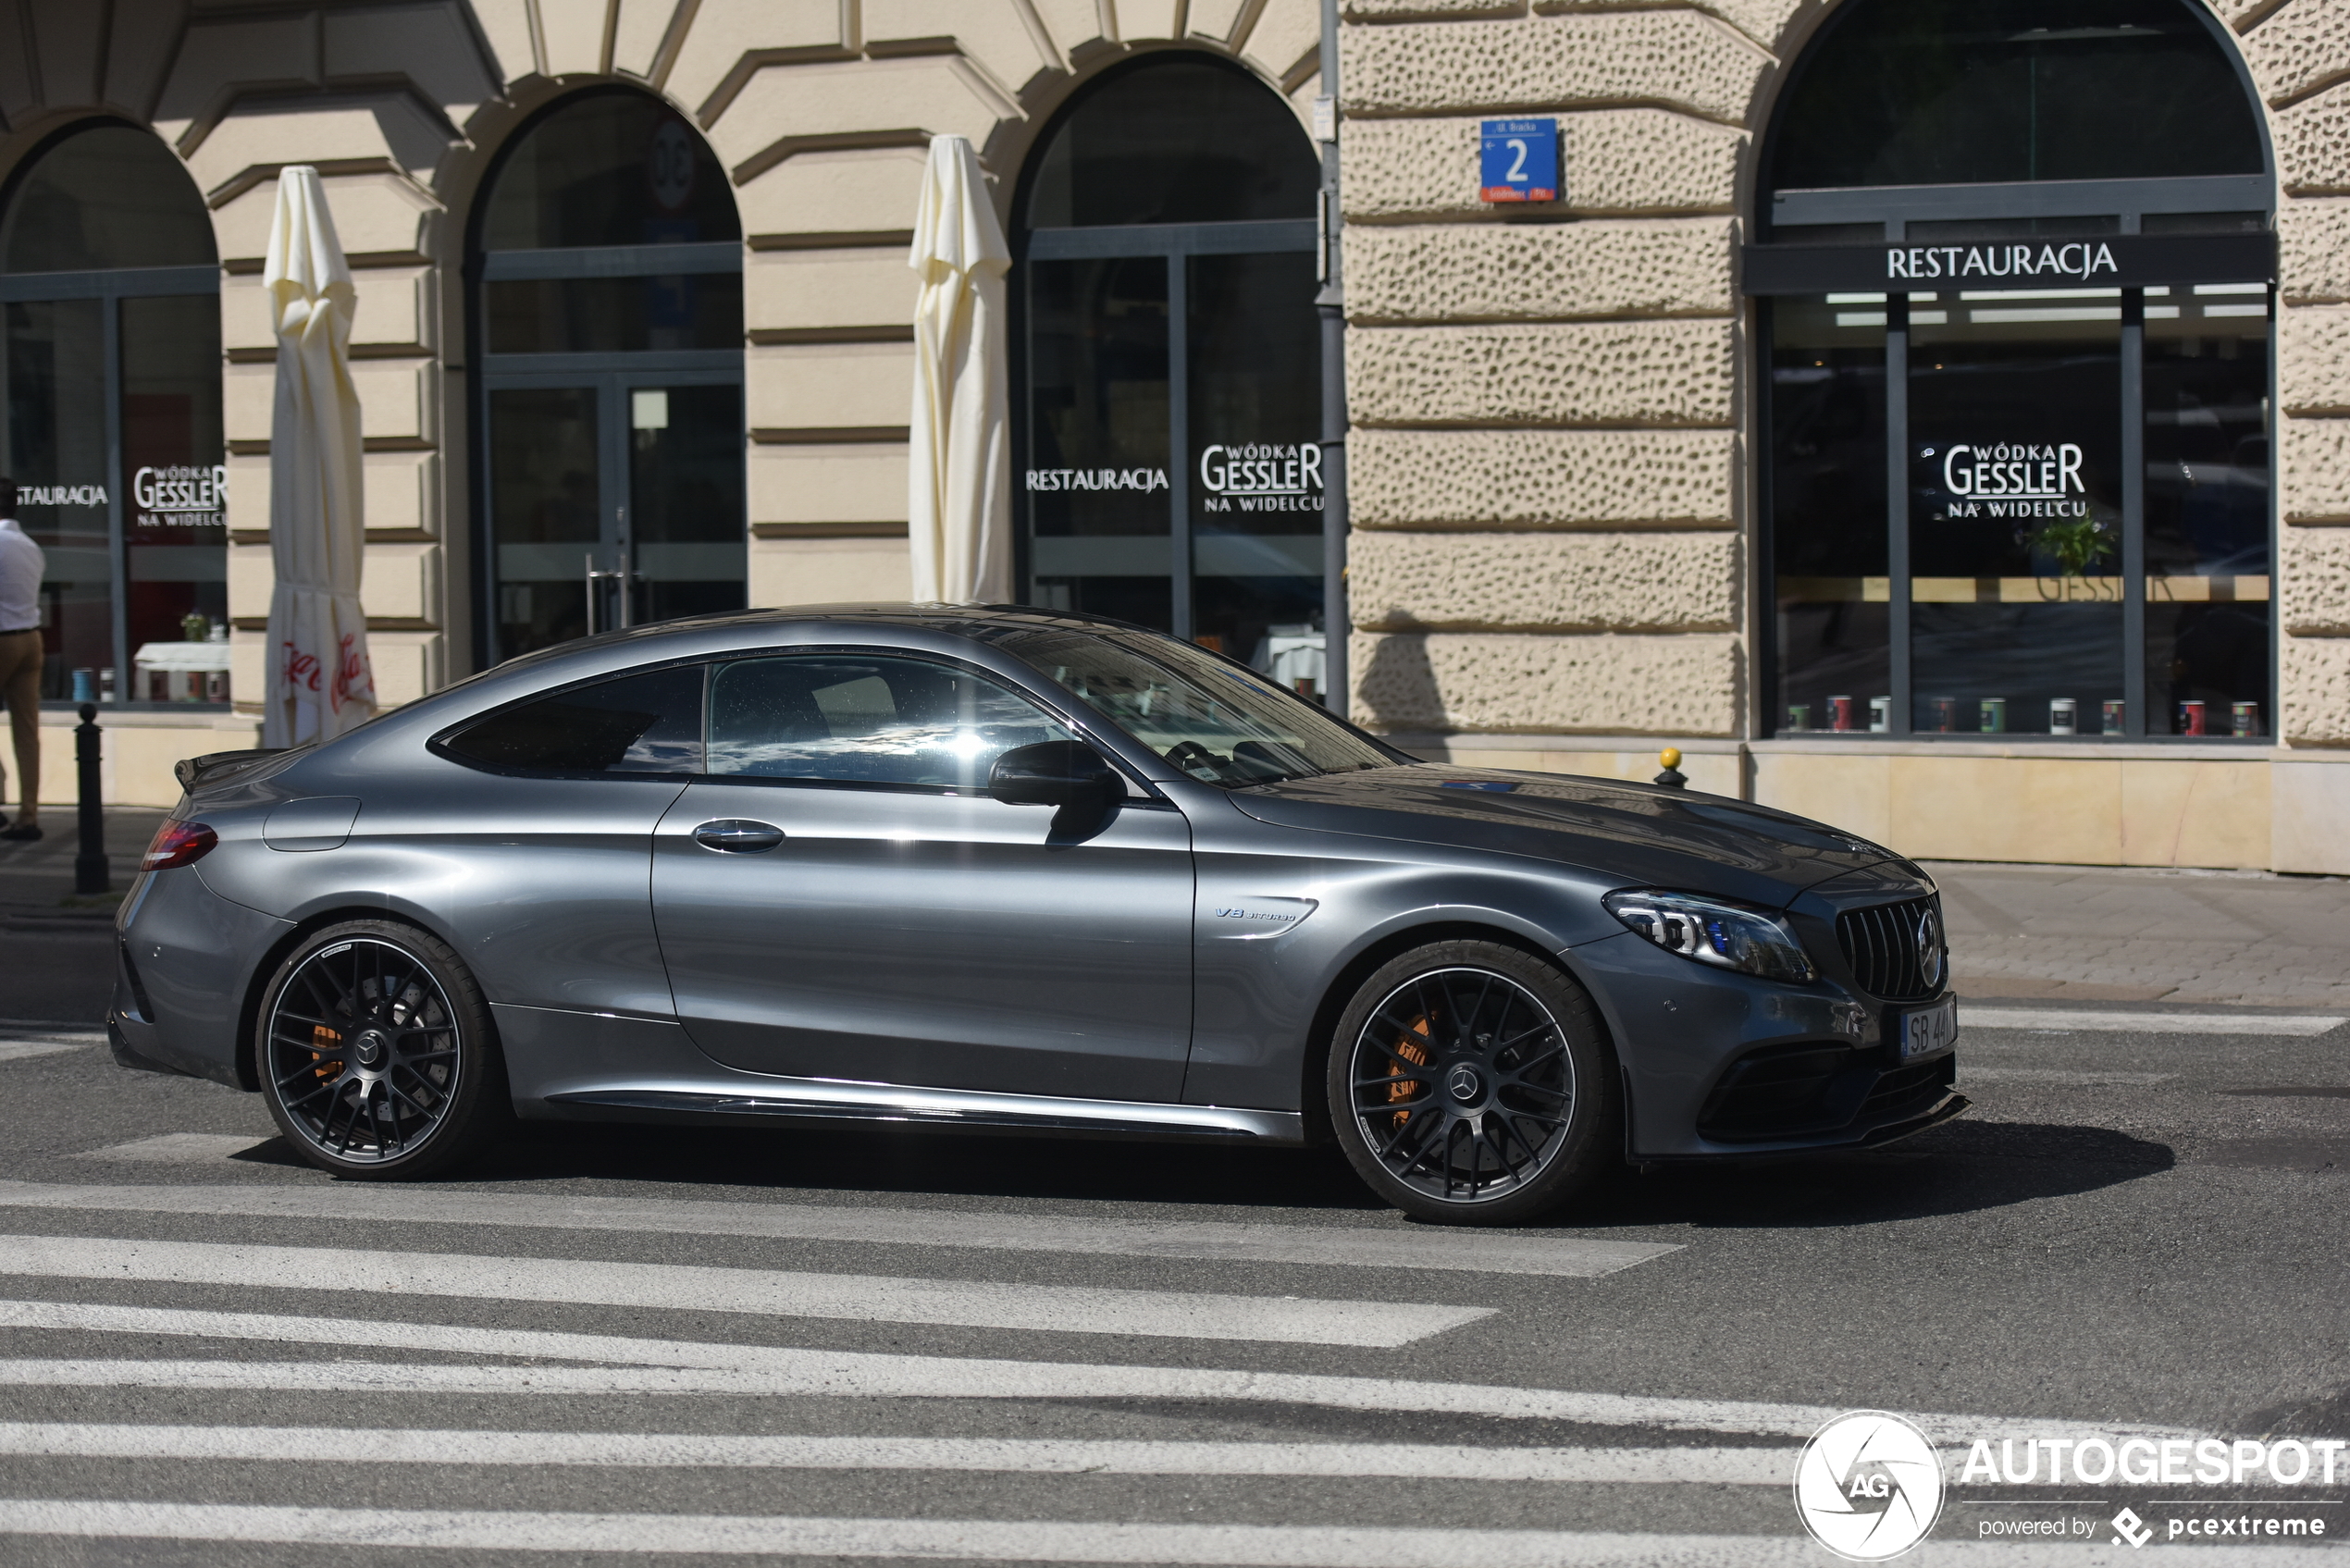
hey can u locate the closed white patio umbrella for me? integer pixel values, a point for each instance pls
(319, 680)
(958, 478)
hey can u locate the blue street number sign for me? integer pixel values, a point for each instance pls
(1519, 161)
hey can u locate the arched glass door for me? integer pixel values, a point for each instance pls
(111, 384)
(609, 271)
(1171, 374)
(2019, 307)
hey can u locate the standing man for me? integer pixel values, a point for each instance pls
(21, 564)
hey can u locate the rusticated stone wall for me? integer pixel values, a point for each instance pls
(2299, 53)
(1544, 469)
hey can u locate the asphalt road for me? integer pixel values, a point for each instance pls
(612, 1344)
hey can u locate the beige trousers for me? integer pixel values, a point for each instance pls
(20, 688)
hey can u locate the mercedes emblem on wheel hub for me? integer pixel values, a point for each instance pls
(370, 1050)
(1464, 1084)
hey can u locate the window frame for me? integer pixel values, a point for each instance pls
(1779, 266)
(1140, 790)
(110, 287)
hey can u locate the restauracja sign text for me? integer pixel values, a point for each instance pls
(2081, 259)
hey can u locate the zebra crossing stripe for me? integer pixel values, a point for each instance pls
(1042, 1456)
(1063, 1309)
(674, 1367)
(1359, 1246)
(1271, 1546)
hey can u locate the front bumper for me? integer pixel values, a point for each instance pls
(1723, 1065)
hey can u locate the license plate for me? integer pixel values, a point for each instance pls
(1931, 1031)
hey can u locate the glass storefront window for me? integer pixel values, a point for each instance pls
(1827, 510)
(607, 168)
(111, 385)
(1173, 141)
(610, 323)
(1254, 425)
(1170, 471)
(174, 514)
(2208, 571)
(2015, 509)
(1098, 487)
(2029, 493)
(55, 390)
(1959, 92)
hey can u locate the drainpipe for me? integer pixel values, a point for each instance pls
(1331, 305)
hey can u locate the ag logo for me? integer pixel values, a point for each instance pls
(1868, 1486)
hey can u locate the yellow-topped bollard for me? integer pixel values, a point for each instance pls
(1672, 778)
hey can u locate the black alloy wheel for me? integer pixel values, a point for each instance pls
(1470, 1083)
(375, 1053)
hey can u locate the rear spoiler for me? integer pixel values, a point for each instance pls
(192, 771)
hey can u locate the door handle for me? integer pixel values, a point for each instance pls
(737, 836)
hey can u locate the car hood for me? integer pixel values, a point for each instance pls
(1638, 835)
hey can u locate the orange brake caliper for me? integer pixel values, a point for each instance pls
(1416, 1053)
(322, 1041)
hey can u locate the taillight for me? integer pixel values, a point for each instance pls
(178, 844)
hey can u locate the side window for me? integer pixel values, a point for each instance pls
(859, 719)
(647, 723)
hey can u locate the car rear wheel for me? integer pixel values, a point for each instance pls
(1470, 1083)
(375, 1055)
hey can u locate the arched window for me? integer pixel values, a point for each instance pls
(2018, 278)
(1170, 367)
(111, 384)
(609, 323)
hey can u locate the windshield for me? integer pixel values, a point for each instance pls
(1216, 721)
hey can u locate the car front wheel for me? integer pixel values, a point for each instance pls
(375, 1055)
(1471, 1083)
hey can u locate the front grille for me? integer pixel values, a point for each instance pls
(1880, 945)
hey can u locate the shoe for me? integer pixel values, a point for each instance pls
(23, 833)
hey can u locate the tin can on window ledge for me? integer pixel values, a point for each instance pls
(2113, 710)
(1944, 711)
(1995, 715)
(2191, 718)
(2064, 716)
(2244, 718)
(1840, 714)
(1880, 715)
(1798, 715)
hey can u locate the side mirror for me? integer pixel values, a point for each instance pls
(1055, 773)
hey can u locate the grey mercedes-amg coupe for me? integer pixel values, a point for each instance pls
(1001, 868)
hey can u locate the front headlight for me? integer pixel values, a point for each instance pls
(1730, 936)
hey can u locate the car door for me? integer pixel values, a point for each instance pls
(838, 897)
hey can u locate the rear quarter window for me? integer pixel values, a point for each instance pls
(646, 723)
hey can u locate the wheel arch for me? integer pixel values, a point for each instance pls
(1314, 1063)
(302, 930)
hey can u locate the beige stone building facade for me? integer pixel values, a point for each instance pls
(1573, 535)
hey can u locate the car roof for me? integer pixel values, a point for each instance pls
(954, 619)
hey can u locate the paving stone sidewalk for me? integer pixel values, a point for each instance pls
(2101, 933)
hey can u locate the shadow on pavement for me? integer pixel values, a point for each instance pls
(1959, 1168)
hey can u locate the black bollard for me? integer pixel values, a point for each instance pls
(90, 859)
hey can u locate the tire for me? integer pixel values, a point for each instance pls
(1471, 1083)
(376, 1055)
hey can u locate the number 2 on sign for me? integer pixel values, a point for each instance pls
(1517, 175)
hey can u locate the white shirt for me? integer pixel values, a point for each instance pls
(21, 564)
